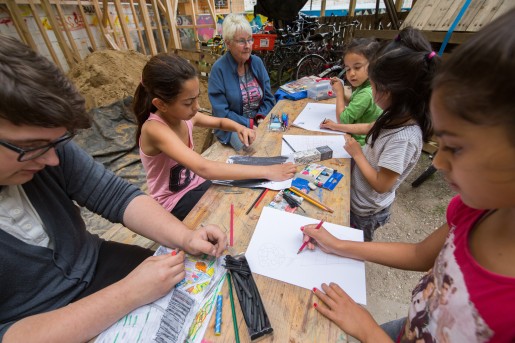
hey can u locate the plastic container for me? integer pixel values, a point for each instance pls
(321, 90)
(263, 41)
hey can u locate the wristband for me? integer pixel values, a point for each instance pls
(251, 123)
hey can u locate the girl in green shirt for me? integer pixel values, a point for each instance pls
(361, 107)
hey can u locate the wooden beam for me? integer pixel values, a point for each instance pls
(86, 26)
(175, 40)
(352, 8)
(322, 8)
(160, 34)
(75, 51)
(47, 7)
(19, 24)
(138, 27)
(432, 36)
(195, 33)
(398, 5)
(123, 24)
(44, 34)
(148, 28)
(101, 26)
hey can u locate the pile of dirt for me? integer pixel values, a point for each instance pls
(107, 76)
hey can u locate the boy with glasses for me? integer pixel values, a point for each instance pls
(52, 269)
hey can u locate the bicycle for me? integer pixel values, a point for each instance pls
(216, 45)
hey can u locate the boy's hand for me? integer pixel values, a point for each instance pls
(207, 240)
(154, 277)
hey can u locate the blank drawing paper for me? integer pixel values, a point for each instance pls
(314, 114)
(272, 252)
(306, 142)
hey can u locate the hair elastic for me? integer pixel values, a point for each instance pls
(398, 38)
(431, 55)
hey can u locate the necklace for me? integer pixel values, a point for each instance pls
(244, 80)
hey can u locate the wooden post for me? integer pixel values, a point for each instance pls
(398, 5)
(175, 40)
(194, 16)
(86, 26)
(47, 7)
(19, 24)
(322, 8)
(106, 18)
(159, 25)
(44, 34)
(125, 28)
(352, 8)
(75, 51)
(148, 28)
(101, 26)
(138, 27)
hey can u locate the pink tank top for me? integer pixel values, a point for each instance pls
(167, 180)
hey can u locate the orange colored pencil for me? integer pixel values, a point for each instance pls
(310, 199)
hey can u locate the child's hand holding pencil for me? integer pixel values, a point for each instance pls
(320, 237)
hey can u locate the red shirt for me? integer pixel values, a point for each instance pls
(458, 300)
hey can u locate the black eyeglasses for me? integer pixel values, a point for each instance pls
(33, 153)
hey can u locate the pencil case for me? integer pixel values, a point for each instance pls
(251, 305)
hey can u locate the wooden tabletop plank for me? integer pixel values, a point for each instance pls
(290, 308)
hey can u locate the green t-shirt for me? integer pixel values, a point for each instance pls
(361, 109)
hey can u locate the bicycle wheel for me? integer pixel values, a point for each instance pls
(310, 65)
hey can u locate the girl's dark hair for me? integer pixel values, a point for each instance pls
(35, 92)
(163, 77)
(404, 68)
(475, 80)
(363, 46)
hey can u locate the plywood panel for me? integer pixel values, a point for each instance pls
(471, 12)
(484, 15)
(450, 15)
(424, 16)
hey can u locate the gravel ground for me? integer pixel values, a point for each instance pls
(416, 212)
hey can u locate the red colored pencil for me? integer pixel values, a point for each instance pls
(231, 236)
(261, 197)
(306, 242)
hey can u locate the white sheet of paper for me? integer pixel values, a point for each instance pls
(272, 252)
(306, 142)
(313, 114)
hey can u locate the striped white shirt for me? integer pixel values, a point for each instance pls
(395, 149)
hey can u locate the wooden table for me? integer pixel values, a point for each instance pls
(290, 308)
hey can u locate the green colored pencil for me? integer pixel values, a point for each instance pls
(234, 320)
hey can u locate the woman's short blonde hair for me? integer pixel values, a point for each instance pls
(234, 23)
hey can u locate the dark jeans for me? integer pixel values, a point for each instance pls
(394, 328)
(370, 223)
(115, 261)
(189, 200)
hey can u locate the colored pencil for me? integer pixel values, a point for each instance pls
(306, 242)
(256, 201)
(263, 193)
(288, 144)
(233, 310)
(218, 316)
(231, 236)
(310, 199)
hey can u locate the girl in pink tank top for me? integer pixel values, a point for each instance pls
(166, 106)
